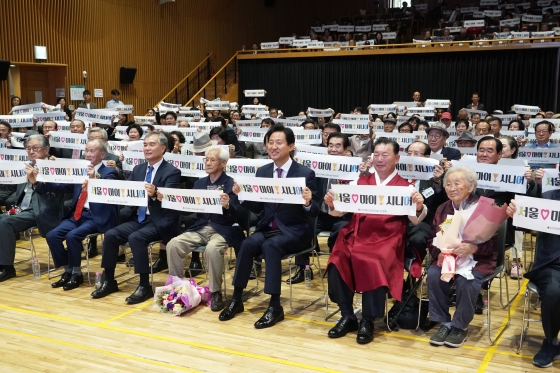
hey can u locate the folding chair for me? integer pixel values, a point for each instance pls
(150, 249)
(33, 254)
(531, 289)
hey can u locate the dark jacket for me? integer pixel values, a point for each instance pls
(450, 154)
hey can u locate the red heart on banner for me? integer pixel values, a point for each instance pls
(105, 191)
(62, 139)
(545, 213)
(314, 164)
(177, 164)
(240, 168)
(355, 198)
(179, 198)
(529, 154)
(2, 156)
(52, 170)
(256, 188)
(135, 160)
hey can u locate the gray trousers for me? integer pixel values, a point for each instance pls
(179, 247)
(9, 226)
(438, 293)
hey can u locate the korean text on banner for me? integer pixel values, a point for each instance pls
(245, 167)
(193, 200)
(500, 178)
(539, 214)
(12, 173)
(261, 189)
(63, 172)
(189, 165)
(117, 192)
(132, 159)
(332, 166)
(67, 140)
(369, 199)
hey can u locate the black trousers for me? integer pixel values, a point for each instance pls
(548, 281)
(418, 236)
(138, 235)
(373, 301)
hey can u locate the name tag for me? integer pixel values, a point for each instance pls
(428, 192)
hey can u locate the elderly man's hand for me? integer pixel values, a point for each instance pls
(464, 249)
(511, 209)
(329, 199)
(539, 175)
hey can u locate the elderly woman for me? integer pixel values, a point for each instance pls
(460, 185)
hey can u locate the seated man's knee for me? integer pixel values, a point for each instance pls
(136, 239)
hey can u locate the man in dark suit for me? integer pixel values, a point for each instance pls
(475, 104)
(84, 219)
(437, 135)
(283, 229)
(87, 104)
(112, 159)
(142, 225)
(37, 207)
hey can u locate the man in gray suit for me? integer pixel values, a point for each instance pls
(87, 104)
(36, 207)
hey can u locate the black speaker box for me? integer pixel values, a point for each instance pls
(127, 75)
(4, 69)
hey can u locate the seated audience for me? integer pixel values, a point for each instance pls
(437, 136)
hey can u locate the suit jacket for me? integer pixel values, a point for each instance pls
(322, 189)
(222, 224)
(92, 105)
(292, 219)
(105, 216)
(432, 202)
(451, 154)
(362, 151)
(479, 107)
(166, 220)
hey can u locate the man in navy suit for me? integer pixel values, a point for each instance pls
(142, 225)
(284, 228)
(84, 218)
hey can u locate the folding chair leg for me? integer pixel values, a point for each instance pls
(299, 309)
(524, 321)
(493, 341)
(514, 296)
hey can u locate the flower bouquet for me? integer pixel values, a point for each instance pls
(484, 222)
(179, 295)
(446, 237)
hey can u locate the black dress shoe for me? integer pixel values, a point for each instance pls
(121, 258)
(256, 271)
(271, 316)
(344, 326)
(233, 308)
(195, 268)
(63, 280)
(107, 287)
(7, 273)
(217, 303)
(75, 281)
(159, 265)
(92, 248)
(365, 333)
(141, 294)
(299, 276)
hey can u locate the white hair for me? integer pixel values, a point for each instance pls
(222, 153)
(470, 176)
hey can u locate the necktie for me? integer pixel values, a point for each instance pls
(80, 205)
(412, 182)
(274, 225)
(26, 202)
(142, 210)
(344, 182)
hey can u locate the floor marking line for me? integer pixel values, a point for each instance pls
(137, 308)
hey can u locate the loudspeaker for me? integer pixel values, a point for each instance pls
(269, 2)
(4, 69)
(127, 75)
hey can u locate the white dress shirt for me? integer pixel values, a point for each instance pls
(86, 203)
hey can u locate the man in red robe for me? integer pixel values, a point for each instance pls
(368, 256)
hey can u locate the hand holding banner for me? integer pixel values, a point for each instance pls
(332, 166)
(117, 192)
(262, 189)
(62, 172)
(371, 199)
(193, 200)
(539, 214)
(12, 173)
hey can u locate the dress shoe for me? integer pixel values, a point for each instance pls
(299, 276)
(121, 258)
(92, 248)
(271, 316)
(75, 281)
(256, 271)
(365, 333)
(195, 268)
(63, 280)
(159, 265)
(345, 325)
(7, 273)
(107, 287)
(141, 294)
(217, 304)
(233, 308)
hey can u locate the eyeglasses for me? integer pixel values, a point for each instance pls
(436, 136)
(211, 160)
(34, 149)
(542, 132)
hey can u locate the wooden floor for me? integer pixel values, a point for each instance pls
(49, 330)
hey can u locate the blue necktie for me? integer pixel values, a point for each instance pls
(142, 210)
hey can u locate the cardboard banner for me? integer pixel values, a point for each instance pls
(427, 111)
(488, 2)
(248, 123)
(63, 172)
(12, 173)
(440, 104)
(500, 178)
(189, 165)
(13, 155)
(403, 139)
(311, 149)
(217, 105)
(319, 112)
(418, 168)
(299, 119)
(543, 3)
(420, 7)
(117, 147)
(332, 166)
(96, 115)
(193, 200)
(467, 151)
(284, 41)
(270, 45)
(482, 113)
(542, 34)
(506, 6)
(352, 127)
(307, 137)
(254, 92)
(187, 149)
(28, 109)
(189, 113)
(538, 214)
(245, 167)
(506, 118)
(473, 23)
(555, 9)
(354, 117)
(514, 134)
(300, 43)
(520, 35)
(524, 109)
(492, 13)
(16, 139)
(121, 109)
(550, 181)
(315, 44)
(252, 134)
(363, 28)
(382, 109)
(532, 18)
(262, 115)
(57, 116)
(549, 156)
(264, 189)
(252, 109)
(67, 140)
(469, 9)
(132, 159)
(331, 27)
(3, 143)
(389, 35)
(117, 192)
(403, 105)
(164, 107)
(188, 132)
(370, 199)
(510, 22)
(18, 121)
(120, 132)
(379, 27)
(205, 126)
(286, 122)
(345, 28)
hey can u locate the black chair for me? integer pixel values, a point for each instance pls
(438, 32)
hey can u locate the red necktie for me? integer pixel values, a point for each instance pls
(274, 225)
(80, 205)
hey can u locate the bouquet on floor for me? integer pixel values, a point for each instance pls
(484, 221)
(180, 295)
